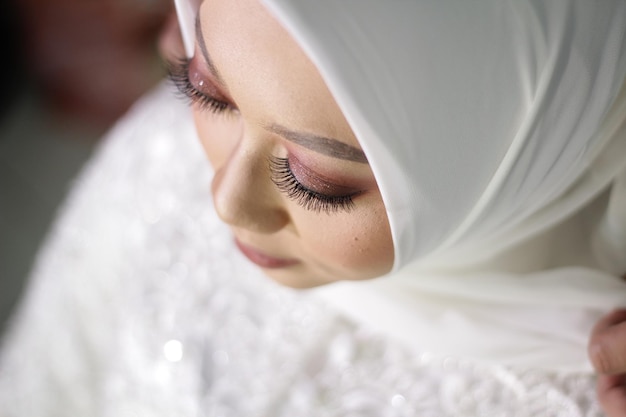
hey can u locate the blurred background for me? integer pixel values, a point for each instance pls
(71, 68)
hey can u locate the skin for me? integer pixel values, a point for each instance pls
(607, 351)
(274, 88)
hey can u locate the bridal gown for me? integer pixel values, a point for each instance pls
(140, 305)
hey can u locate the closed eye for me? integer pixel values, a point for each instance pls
(178, 73)
(285, 180)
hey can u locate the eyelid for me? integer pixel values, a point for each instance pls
(178, 72)
(317, 182)
(284, 179)
(206, 83)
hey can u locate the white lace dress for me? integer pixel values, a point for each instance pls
(140, 306)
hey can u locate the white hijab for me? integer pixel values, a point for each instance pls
(496, 133)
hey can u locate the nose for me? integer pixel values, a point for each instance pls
(242, 196)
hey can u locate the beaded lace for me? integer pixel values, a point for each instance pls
(140, 306)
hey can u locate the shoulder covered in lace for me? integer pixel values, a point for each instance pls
(140, 306)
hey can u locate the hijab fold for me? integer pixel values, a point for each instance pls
(496, 133)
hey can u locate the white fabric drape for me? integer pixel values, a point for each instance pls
(497, 138)
(474, 116)
(138, 260)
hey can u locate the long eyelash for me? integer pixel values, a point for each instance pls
(286, 182)
(178, 73)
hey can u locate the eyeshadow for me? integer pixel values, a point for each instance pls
(317, 182)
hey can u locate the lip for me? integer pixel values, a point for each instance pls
(263, 260)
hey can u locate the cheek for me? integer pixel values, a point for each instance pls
(354, 245)
(219, 135)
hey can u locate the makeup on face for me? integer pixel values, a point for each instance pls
(321, 196)
(206, 83)
(263, 260)
(202, 83)
(290, 177)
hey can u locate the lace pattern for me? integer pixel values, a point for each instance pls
(140, 306)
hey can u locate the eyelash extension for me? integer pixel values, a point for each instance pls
(283, 178)
(178, 73)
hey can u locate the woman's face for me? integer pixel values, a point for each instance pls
(290, 177)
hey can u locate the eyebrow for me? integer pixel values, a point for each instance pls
(321, 144)
(205, 52)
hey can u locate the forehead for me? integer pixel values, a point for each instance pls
(268, 75)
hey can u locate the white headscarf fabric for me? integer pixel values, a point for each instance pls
(473, 115)
(497, 136)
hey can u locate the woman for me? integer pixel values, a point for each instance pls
(463, 154)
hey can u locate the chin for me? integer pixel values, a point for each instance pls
(296, 279)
